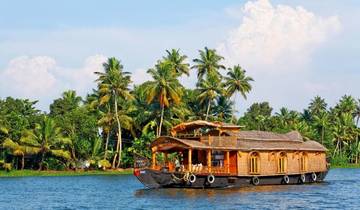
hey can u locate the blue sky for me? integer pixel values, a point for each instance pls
(294, 50)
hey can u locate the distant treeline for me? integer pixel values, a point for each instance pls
(114, 122)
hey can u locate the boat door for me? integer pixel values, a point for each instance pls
(233, 162)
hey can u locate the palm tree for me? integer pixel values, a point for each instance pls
(209, 90)
(177, 62)
(208, 63)
(237, 82)
(165, 88)
(16, 149)
(357, 116)
(321, 121)
(317, 105)
(71, 96)
(47, 137)
(344, 131)
(106, 121)
(223, 109)
(287, 117)
(113, 85)
(347, 104)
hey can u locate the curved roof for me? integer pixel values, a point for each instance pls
(187, 126)
(243, 141)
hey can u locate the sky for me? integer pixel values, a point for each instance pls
(294, 50)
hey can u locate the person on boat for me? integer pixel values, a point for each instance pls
(177, 164)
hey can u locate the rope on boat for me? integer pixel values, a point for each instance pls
(185, 177)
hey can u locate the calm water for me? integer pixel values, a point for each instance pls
(341, 191)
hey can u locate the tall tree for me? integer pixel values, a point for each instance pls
(237, 82)
(223, 109)
(317, 105)
(113, 86)
(164, 88)
(47, 137)
(177, 62)
(209, 89)
(321, 122)
(208, 63)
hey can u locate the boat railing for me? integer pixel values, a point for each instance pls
(196, 168)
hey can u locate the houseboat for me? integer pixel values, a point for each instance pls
(203, 154)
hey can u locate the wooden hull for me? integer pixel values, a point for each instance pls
(159, 179)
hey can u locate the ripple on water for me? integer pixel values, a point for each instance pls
(340, 191)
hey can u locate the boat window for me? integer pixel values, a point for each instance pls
(217, 158)
(254, 163)
(303, 162)
(282, 163)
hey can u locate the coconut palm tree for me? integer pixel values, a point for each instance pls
(321, 121)
(347, 104)
(208, 63)
(237, 82)
(223, 109)
(164, 88)
(344, 132)
(47, 137)
(18, 150)
(177, 62)
(209, 89)
(113, 86)
(317, 105)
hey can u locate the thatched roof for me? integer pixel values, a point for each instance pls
(244, 141)
(264, 135)
(188, 126)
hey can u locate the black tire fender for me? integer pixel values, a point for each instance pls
(286, 179)
(313, 177)
(210, 178)
(192, 178)
(302, 178)
(255, 180)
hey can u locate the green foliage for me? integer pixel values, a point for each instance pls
(141, 145)
(115, 118)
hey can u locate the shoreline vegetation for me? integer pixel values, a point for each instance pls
(117, 120)
(51, 173)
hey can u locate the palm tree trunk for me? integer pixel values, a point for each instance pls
(161, 120)
(42, 160)
(208, 110)
(106, 144)
(233, 110)
(23, 162)
(118, 146)
(357, 141)
(322, 134)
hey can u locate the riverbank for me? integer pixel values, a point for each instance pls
(345, 166)
(23, 173)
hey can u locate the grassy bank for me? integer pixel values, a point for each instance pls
(346, 166)
(23, 173)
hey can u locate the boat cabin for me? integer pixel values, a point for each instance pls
(202, 147)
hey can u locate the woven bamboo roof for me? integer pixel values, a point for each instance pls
(188, 126)
(247, 141)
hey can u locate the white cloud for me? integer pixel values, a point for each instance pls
(82, 79)
(275, 35)
(28, 76)
(41, 78)
(275, 44)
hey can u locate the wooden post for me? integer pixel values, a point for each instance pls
(227, 161)
(209, 160)
(153, 159)
(189, 159)
(166, 158)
